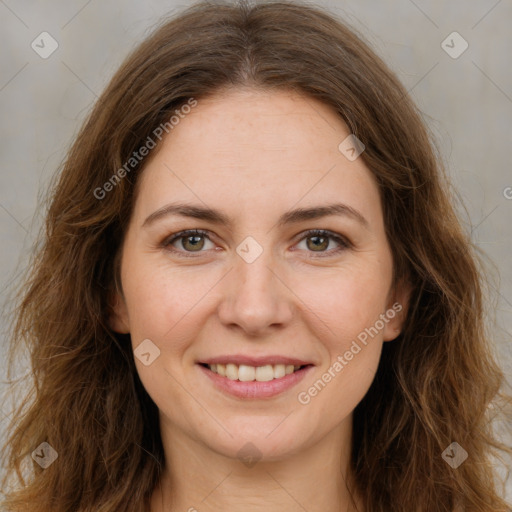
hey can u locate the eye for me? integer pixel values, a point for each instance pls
(318, 240)
(185, 243)
(189, 240)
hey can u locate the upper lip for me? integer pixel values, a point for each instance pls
(254, 361)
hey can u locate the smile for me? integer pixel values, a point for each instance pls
(245, 373)
(253, 382)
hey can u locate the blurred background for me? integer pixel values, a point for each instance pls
(454, 58)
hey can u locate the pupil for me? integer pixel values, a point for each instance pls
(322, 244)
(196, 242)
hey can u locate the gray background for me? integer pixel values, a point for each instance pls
(466, 101)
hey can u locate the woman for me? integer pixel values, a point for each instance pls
(253, 291)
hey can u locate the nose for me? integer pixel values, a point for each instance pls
(256, 299)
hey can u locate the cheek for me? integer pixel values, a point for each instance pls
(345, 301)
(348, 302)
(161, 297)
(352, 349)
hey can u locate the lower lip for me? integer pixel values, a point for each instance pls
(255, 389)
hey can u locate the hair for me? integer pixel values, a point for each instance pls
(434, 385)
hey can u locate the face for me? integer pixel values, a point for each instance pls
(256, 291)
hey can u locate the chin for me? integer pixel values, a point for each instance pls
(265, 440)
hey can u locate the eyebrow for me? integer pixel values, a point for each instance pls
(290, 217)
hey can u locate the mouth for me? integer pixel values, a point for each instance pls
(254, 382)
(247, 373)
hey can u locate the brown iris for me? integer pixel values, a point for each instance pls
(323, 245)
(196, 244)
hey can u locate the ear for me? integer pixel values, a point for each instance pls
(118, 313)
(396, 310)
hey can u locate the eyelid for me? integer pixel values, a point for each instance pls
(340, 239)
(343, 242)
(184, 234)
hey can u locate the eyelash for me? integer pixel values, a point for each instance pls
(343, 242)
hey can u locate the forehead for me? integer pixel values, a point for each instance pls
(257, 151)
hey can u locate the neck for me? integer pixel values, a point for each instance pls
(197, 479)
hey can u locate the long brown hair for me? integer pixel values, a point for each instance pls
(434, 384)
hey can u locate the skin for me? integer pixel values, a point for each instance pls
(255, 155)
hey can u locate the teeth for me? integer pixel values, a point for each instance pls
(279, 371)
(246, 373)
(231, 371)
(265, 373)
